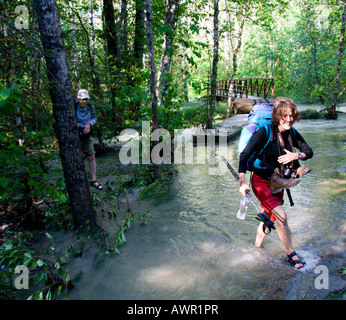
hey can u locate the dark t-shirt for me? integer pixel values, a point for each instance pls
(271, 153)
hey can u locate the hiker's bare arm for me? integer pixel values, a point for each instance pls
(243, 185)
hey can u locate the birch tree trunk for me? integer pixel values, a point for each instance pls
(210, 119)
(63, 110)
(338, 67)
(75, 55)
(151, 59)
(123, 31)
(231, 99)
(171, 19)
(183, 62)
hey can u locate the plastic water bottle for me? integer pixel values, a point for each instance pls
(244, 204)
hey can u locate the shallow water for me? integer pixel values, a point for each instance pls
(195, 248)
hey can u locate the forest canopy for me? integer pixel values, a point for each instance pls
(294, 42)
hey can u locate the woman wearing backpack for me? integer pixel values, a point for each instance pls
(280, 171)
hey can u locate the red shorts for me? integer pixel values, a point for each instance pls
(263, 193)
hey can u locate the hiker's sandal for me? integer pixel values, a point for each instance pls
(294, 262)
(96, 185)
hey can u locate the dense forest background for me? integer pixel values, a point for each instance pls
(294, 42)
(299, 43)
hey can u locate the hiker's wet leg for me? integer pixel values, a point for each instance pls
(283, 230)
(260, 236)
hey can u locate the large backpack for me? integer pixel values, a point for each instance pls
(259, 116)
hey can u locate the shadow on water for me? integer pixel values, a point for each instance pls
(195, 248)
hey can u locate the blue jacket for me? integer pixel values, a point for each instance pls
(85, 115)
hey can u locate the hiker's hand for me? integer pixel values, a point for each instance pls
(243, 185)
(86, 128)
(288, 157)
(243, 188)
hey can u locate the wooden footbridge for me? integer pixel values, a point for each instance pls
(260, 87)
(247, 92)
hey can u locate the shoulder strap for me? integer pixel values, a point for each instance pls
(292, 136)
(293, 130)
(268, 135)
(91, 108)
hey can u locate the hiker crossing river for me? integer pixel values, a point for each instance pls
(194, 247)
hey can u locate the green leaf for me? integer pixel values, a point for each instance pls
(40, 262)
(49, 295)
(49, 236)
(128, 123)
(63, 198)
(46, 175)
(3, 182)
(5, 93)
(8, 246)
(28, 255)
(59, 290)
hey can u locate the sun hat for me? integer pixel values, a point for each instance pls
(83, 94)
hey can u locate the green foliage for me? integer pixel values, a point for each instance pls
(342, 271)
(311, 113)
(29, 199)
(47, 278)
(119, 238)
(337, 294)
(299, 51)
(195, 116)
(159, 187)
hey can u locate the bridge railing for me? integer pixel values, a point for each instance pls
(260, 87)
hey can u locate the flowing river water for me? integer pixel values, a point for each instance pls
(194, 247)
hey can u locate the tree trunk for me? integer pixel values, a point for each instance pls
(235, 65)
(123, 32)
(338, 67)
(138, 45)
(75, 56)
(183, 62)
(171, 19)
(96, 81)
(64, 115)
(151, 58)
(110, 30)
(214, 68)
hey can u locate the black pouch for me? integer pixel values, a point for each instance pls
(82, 135)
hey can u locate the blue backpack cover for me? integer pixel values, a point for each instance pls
(259, 116)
